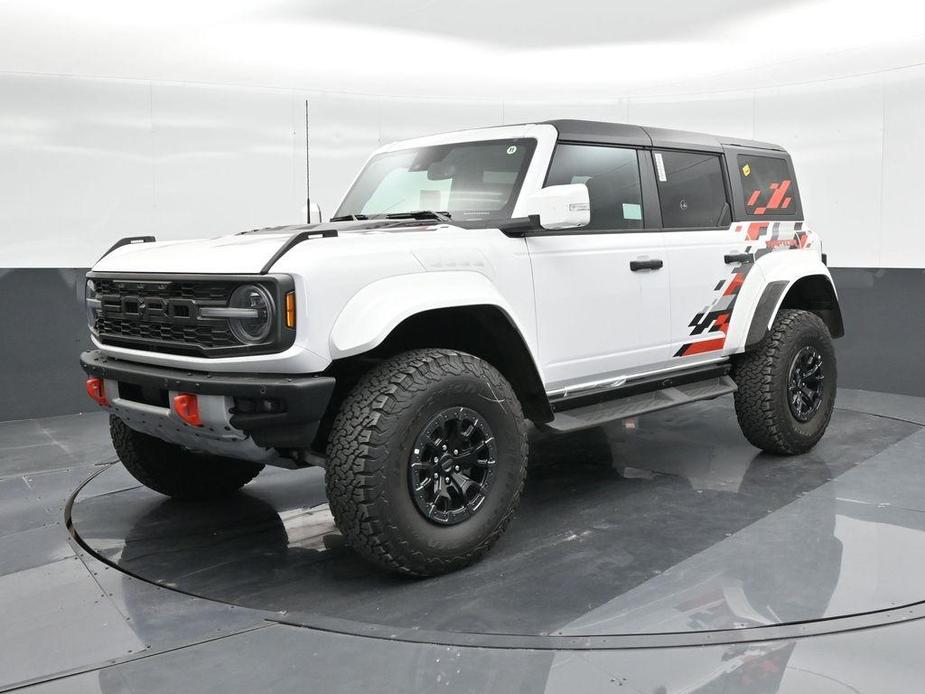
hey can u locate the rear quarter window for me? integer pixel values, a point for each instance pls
(767, 185)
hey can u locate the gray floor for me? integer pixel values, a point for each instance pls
(663, 555)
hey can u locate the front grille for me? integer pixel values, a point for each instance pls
(162, 314)
(202, 336)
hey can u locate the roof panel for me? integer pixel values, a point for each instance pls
(597, 131)
(635, 135)
(663, 137)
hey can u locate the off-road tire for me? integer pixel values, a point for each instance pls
(174, 471)
(369, 453)
(761, 402)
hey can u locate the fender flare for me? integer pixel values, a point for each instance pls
(777, 291)
(765, 312)
(377, 309)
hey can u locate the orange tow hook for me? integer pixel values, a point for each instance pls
(97, 391)
(187, 407)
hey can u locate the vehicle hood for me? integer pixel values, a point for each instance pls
(244, 253)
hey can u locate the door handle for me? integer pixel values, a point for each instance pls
(654, 264)
(739, 258)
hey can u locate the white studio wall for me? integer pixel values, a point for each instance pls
(89, 160)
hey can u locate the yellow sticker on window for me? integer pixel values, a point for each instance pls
(746, 169)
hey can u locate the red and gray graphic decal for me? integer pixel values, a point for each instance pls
(759, 238)
(778, 200)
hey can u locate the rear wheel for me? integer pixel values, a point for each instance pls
(175, 471)
(426, 461)
(787, 385)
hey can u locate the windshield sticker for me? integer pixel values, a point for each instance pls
(746, 170)
(632, 211)
(660, 167)
(512, 149)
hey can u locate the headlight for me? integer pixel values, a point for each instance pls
(93, 305)
(251, 314)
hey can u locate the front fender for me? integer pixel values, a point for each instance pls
(374, 311)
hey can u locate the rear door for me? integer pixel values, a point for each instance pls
(601, 291)
(704, 256)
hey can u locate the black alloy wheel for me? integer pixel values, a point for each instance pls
(451, 468)
(805, 385)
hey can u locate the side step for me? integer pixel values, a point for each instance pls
(633, 405)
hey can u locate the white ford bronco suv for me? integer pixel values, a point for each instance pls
(569, 273)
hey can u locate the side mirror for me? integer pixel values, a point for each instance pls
(561, 207)
(314, 213)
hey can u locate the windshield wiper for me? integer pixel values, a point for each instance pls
(350, 218)
(420, 214)
(416, 214)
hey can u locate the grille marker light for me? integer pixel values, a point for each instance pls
(290, 309)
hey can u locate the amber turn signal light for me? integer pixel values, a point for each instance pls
(97, 391)
(186, 406)
(290, 309)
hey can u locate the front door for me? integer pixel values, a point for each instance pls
(602, 292)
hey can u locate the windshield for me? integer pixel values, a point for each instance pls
(468, 180)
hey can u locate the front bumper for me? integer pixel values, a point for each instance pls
(230, 403)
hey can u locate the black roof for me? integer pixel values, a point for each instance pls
(622, 134)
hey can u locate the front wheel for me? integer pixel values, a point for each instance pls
(787, 385)
(426, 461)
(174, 471)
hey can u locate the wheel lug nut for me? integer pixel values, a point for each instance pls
(456, 468)
(444, 446)
(436, 476)
(447, 480)
(455, 452)
(436, 460)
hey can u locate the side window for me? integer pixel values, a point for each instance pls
(691, 190)
(612, 177)
(767, 185)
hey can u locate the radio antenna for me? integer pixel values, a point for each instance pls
(308, 196)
